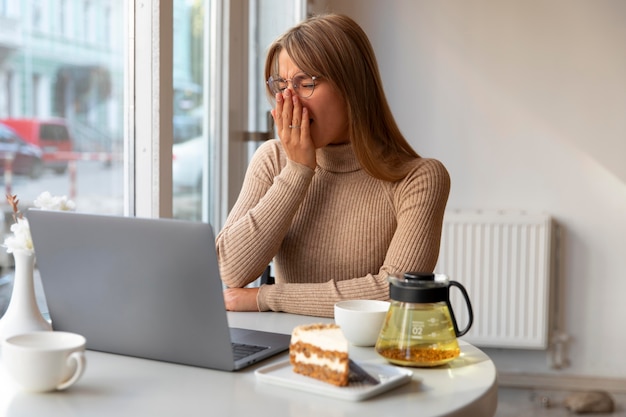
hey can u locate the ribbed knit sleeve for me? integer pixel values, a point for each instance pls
(272, 192)
(337, 234)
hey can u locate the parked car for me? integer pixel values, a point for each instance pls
(26, 159)
(51, 135)
(186, 127)
(187, 164)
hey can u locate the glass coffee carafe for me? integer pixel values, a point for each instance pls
(420, 328)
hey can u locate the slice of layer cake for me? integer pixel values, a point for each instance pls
(320, 351)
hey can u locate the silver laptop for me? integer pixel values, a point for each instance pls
(141, 287)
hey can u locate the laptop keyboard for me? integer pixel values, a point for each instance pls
(242, 350)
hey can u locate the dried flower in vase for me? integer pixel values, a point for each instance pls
(21, 238)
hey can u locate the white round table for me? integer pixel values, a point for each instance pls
(116, 385)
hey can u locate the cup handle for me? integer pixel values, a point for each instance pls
(79, 358)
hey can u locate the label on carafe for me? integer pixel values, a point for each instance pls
(436, 327)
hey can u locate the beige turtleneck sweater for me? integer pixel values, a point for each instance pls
(334, 233)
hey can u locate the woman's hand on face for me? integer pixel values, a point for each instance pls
(292, 124)
(241, 299)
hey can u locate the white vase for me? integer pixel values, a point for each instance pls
(23, 314)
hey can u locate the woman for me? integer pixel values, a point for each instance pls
(340, 201)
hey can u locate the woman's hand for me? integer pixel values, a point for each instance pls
(241, 299)
(292, 124)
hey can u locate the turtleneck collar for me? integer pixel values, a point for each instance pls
(338, 158)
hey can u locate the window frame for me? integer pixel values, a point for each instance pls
(148, 96)
(148, 110)
(148, 114)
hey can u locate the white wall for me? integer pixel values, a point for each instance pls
(525, 103)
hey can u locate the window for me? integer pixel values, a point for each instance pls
(64, 94)
(63, 20)
(88, 24)
(106, 26)
(37, 12)
(159, 124)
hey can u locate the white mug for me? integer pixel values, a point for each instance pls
(44, 361)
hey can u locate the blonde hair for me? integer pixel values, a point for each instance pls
(335, 47)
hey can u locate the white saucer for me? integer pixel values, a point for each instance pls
(389, 376)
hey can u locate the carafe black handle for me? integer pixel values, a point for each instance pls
(458, 332)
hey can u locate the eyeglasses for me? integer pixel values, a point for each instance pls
(303, 84)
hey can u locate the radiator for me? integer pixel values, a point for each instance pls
(503, 259)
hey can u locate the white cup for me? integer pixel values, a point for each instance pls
(44, 361)
(361, 320)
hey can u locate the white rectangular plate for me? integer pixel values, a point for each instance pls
(389, 376)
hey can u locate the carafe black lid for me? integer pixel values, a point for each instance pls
(419, 287)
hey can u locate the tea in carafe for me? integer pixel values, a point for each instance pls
(422, 336)
(420, 328)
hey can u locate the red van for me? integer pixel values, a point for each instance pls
(51, 135)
